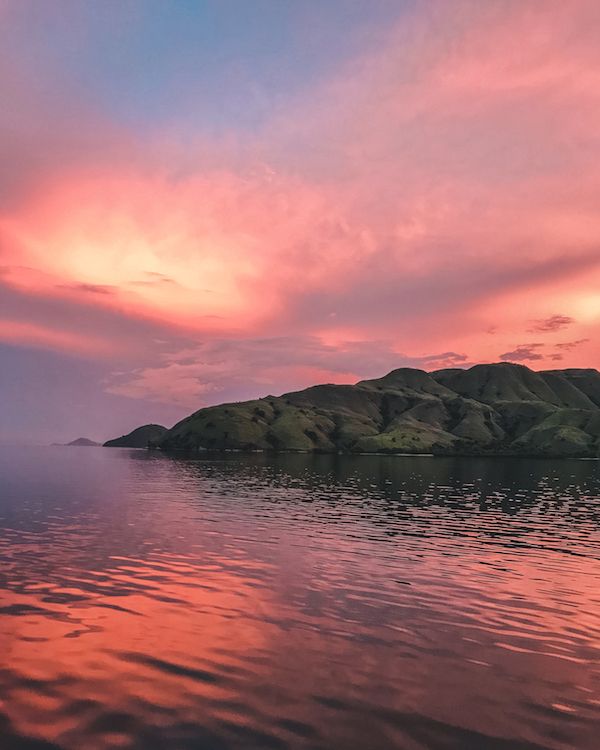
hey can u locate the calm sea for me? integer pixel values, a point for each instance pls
(297, 602)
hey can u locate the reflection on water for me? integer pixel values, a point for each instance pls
(297, 602)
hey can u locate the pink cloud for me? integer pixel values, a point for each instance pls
(235, 369)
(524, 353)
(569, 345)
(435, 188)
(27, 334)
(551, 324)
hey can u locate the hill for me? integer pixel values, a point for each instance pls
(488, 409)
(138, 438)
(84, 442)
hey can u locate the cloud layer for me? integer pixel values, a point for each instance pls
(431, 202)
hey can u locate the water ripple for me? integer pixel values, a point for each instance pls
(298, 602)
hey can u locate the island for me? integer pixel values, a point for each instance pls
(141, 437)
(492, 409)
(81, 442)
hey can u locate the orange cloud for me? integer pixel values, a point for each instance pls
(27, 334)
(436, 186)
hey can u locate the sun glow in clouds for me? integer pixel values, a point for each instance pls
(422, 199)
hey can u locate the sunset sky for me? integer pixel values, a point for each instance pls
(211, 200)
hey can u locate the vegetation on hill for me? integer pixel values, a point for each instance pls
(138, 438)
(488, 409)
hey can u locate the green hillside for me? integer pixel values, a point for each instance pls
(138, 438)
(488, 409)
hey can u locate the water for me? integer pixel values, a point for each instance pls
(297, 602)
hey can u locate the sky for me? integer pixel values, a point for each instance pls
(211, 200)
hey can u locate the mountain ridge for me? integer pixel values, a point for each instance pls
(491, 409)
(138, 438)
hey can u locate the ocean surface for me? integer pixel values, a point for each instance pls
(319, 602)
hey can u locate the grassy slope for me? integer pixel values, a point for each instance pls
(501, 408)
(138, 438)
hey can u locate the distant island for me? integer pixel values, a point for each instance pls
(81, 442)
(495, 409)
